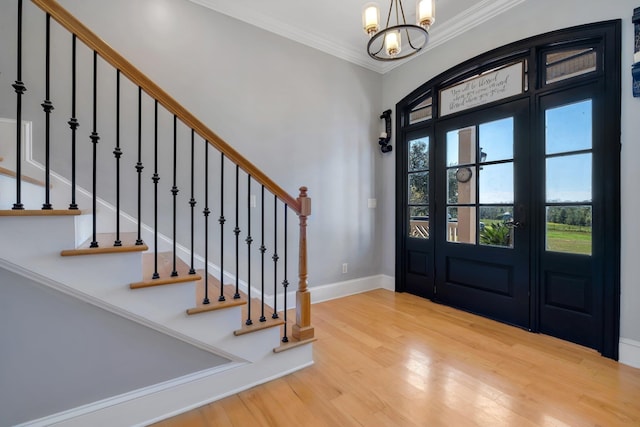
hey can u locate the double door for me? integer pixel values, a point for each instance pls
(504, 214)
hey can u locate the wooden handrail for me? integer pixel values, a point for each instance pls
(68, 21)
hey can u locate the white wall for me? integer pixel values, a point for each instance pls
(528, 19)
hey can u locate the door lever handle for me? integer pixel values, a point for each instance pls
(514, 224)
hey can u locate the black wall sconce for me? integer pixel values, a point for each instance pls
(385, 137)
(635, 68)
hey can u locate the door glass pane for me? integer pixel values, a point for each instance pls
(496, 183)
(569, 63)
(421, 112)
(568, 128)
(419, 154)
(496, 140)
(569, 179)
(461, 224)
(419, 222)
(419, 188)
(569, 229)
(461, 185)
(461, 146)
(494, 226)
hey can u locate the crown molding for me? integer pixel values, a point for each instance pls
(479, 13)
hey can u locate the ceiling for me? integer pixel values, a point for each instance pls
(335, 26)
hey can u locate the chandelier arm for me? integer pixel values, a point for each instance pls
(378, 51)
(404, 20)
(406, 30)
(389, 14)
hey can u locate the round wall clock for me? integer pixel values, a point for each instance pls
(464, 174)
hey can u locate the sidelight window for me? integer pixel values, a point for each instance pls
(569, 193)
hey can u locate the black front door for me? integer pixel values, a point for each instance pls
(483, 237)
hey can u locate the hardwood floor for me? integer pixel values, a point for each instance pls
(387, 359)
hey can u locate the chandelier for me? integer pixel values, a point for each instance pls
(397, 40)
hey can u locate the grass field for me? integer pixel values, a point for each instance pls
(568, 238)
(563, 237)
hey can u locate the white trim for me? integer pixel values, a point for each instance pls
(351, 287)
(150, 403)
(229, 393)
(125, 397)
(629, 352)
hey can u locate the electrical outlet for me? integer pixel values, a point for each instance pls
(252, 200)
(345, 268)
(372, 203)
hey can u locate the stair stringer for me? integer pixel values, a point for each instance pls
(34, 244)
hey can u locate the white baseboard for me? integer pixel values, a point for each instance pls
(351, 287)
(629, 352)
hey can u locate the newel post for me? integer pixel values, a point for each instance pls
(303, 330)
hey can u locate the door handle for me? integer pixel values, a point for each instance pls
(515, 224)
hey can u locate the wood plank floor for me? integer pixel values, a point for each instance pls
(387, 359)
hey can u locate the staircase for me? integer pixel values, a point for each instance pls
(188, 237)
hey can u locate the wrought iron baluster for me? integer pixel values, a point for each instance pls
(155, 180)
(263, 249)
(139, 167)
(206, 213)
(117, 152)
(20, 89)
(47, 106)
(285, 282)
(192, 200)
(73, 123)
(95, 138)
(174, 190)
(236, 231)
(249, 240)
(221, 220)
(275, 257)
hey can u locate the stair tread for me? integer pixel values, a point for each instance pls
(293, 343)
(165, 265)
(164, 270)
(257, 325)
(182, 277)
(215, 305)
(106, 245)
(40, 212)
(214, 294)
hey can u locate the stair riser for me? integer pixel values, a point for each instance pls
(31, 195)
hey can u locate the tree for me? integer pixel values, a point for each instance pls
(419, 177)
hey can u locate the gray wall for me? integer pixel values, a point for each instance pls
(59, 353)
(307, 118)
(303, 117)
(528, 19)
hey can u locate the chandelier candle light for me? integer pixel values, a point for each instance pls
(387, 44)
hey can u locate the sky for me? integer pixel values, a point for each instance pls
(568, 175)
